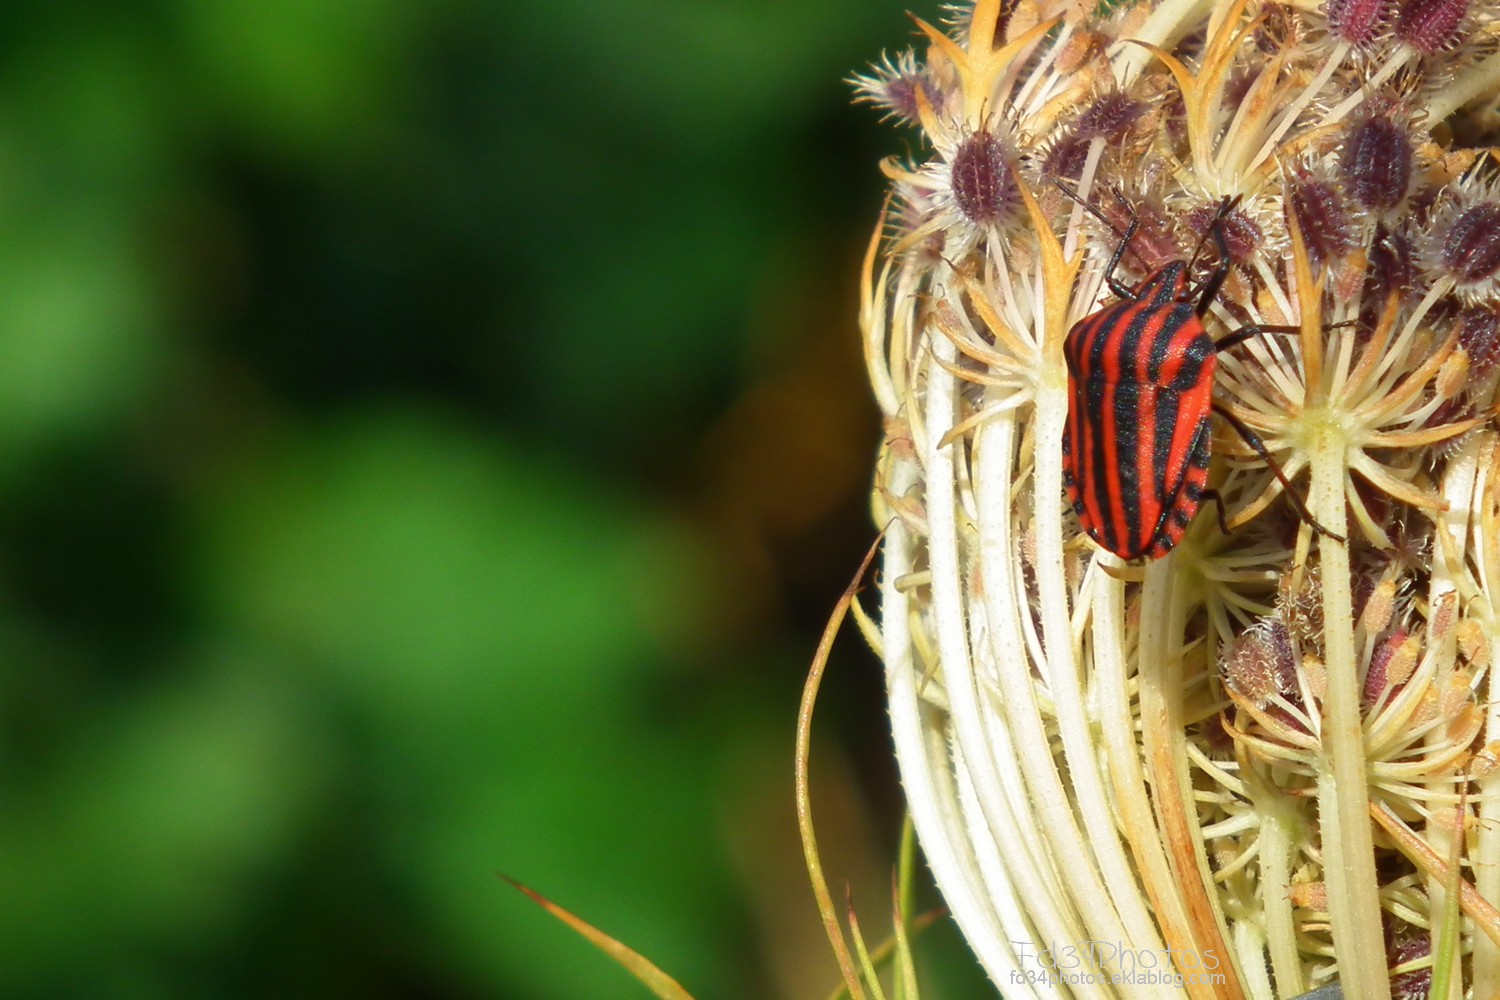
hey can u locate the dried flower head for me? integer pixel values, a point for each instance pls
(1265, 759)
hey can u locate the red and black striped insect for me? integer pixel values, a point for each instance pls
(1140, 389)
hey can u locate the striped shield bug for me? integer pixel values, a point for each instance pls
(1141, 372)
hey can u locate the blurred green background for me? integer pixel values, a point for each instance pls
(431, 438)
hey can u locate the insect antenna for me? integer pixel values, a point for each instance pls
(1089, 207)
(1125, 239)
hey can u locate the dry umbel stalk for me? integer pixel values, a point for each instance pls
(1265, 761)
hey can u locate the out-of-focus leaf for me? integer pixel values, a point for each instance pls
(311, 78)
(246, 253)
(75, 343)
(492, 622)
(152, 832)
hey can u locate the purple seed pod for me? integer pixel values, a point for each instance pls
(984, 183)
(1261, 663)
(1237, 87)
(901, 96)
(1105, 118)
(1358, 22)
(1321, 217)
(1431, 25)
(1066, 157)
(1376, 162)
(1469, 247)
(1479, 336)
(1108, 116)
(1376, 676)
(1416, 984)
(1241, 235)
(1277, 28)
(897, 85)
(1156, 241)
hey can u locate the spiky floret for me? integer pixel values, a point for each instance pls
(1461, 242)
(894, 86)
(1268, 746)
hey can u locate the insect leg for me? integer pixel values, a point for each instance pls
(1258, 446)
(1218, 499)
(1244, 333)
(1117, 286)
(1210, 289)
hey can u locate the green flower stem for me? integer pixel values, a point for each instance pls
(993, 818)
(1343, 797)
(1078, 739)
(1167, 23)
(1475, 82)
(1279, 830)
(922, 748)
(1250, 946)
(1164, 733)
(1122, 751)
(1054, 821)
(1442, 648)
(1015, 713)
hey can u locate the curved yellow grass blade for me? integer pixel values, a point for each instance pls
(633, 962)
(804, 795)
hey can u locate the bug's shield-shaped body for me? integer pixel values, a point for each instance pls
(1136, 445)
